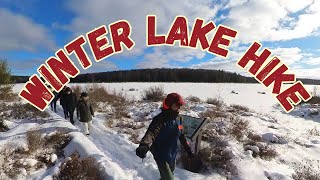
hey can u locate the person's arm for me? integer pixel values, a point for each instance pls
(151, 134)
(153, 131)
(75, 99)
(59, 96)
(77, 109)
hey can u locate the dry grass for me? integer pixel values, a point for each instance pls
(191, 164)
(8, 167)
(39, 148)
(118, 101)
(266, 152)
(35, 140)
(153, 93)
(314, 132)
(239, 127)
(108, 123)
(212, 114)
(120, 106)
(239, 108)
(214, 158)
(134, 137)
(3, 126)
(314, 100)
(98, 93)
(255, 137)
(79, 168)
(55, 142)
(314, 113)
(129, 125)
(305, 172)
(193, 99)
(11, 165)
(215, 101)
(6, 93)
(58, 141)
(27, 111)
(77, 90)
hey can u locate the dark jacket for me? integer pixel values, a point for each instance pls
(163, 134)
(84, 111)
(55, 96)
(70, 100)
(61, 96)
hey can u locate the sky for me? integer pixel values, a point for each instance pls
(32, 31)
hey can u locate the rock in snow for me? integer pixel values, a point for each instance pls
(270, 137)
(30, 162)
(254, 149)
(53, 158)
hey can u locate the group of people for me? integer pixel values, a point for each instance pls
(69, 102)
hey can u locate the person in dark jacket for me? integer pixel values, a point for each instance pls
(70, 103)
(85, 112)
(162, 137)
(53, 103)
(61, 96)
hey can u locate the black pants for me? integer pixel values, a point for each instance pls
(53, 105)
(65, 111)
(70, 111)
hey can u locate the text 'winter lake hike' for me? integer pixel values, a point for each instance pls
(57, 70)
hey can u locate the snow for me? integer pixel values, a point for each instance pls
(53, 158)
(289, 134)
(254, 149)
(29, 162)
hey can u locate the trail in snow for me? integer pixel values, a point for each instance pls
(121, 151)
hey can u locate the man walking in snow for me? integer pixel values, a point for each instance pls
(85, 112)
(162, 137)
(70, 99)
(53, 103)
(61, 96)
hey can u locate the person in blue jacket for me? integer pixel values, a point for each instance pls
(162, 137)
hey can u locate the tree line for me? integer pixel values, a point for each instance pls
(165, 75)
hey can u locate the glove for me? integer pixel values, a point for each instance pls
(142, 150)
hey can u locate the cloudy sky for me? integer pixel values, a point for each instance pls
(31, 31)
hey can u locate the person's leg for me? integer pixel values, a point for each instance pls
(55, 105)
(51, 105)
(65, 111)
(85, 128)
(71, 112)
(89, 126)
(165, 170)
(172, 166)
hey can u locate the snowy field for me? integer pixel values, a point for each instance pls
(289, 134)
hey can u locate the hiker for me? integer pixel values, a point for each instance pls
(70, 100)
(85, 112)
(61, 96)
(162, 137)
(53, 103)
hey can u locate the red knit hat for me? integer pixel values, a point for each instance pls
(171, 99)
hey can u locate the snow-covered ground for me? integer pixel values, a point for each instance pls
(289, 134)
